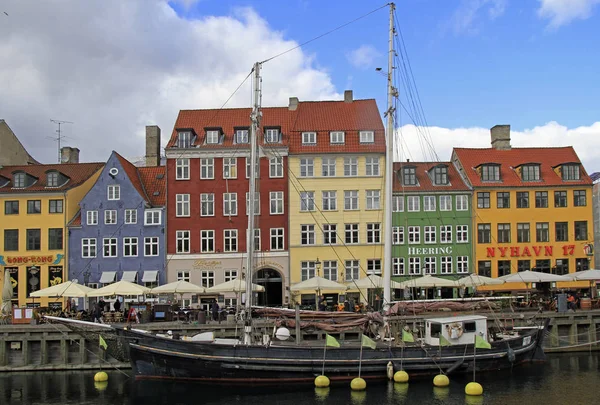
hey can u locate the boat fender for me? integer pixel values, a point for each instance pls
(510, 353)
(390, 370)
(455, 330)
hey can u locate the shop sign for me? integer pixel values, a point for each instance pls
(207, 264)
(49, 259)
(55, 275)
(14, 280)
(588, 249)
(529, 251)
(33, 279)
(414, 251)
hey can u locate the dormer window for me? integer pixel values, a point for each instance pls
(490, 173)
(367, 137)
(309, 138)
(440, 175)
(212, 137)
(272, 135)
(570, 172)
(184, 139)
(241, 136)
(19, 180)
(52, 179)
(337, 137)
(530, 173)
(4, 181)
(409, 176)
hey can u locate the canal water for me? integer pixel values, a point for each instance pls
(565, 379)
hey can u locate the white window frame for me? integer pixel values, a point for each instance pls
(277, 239)
(241, 136)
(414, 266)
(207, 205)
(337, 137)
(111, 243)
(397, 235)
(372, 166)
(207, 278)
(183, 275)
(230, 204)
(307, 201)
(429, 234)
(208, 236)
(373, 233)
(445, 203)
(151, 242)
(328, 166)
(92, 217)
(307, 167)
(429, 203)
(89, 246)
(230, 240)
(276, 202)
(256, 203)
(414, 235)
(445, 233)
(230, 275)
(207, 168)
(272, 135)
(307, 269)
(330, 270)
(462, 233)
(114, 192)
(462, 203)
(329, 200)
(330, 234)
(414, 203)
(309, 138)
(307, 231)
(430, 265)
(374, 266)
(129, 244)
(152, 217)
(367, 136)
(184, 139)
(462, 264)
(182, 237)
(373, 199)
(131, 216)
(446, 265)
(257, 168)
(212, 137)
(398, 203)
(182, 169)
(182, 205)
(276, 167)
(350, 166)
(398, 266)
(230, 168)
(351, 200)
(352, 269)
(110, 217)
(352, 230)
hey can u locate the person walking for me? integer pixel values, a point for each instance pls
(215, 310)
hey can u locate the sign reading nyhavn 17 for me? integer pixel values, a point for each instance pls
(529, 251)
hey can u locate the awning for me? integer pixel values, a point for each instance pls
(130, 276)
(108, 277)
(150, 276)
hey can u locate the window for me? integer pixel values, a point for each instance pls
(582, 264)
(440, 175)
(490, 173)
(530, 173)
(523, 265)
(183, 275)
(367, 136)
(543, 266)
(503, 200)
(307, 269)
(183, 205)
(541, 199)
(351, 199)
(374, 266)
(429, 234)
(130, 247)
(561, 230)
(446, 233)
(329, 234)
(328, 167)
(276, 198)
(462, 233)
(256, 204)
(562, 267)
(272, 135)
(230, 238)
(352, 233)
(503, 233)
(570, 172)
(184, 139)
(462, 264)
(446, 264)
(241, 136)
(372, 166)
(11, 239)
(398, 203)
(277, 239)
(34, 206)
(542, 232)
(414, 235)
(352, 270)
(329, 200)
(560, 199)
(373, 199)
(409, 176)
(307, 234)
(207, 204)
(92, 217)
(88, 247)
(55, 238)
(19, 180)
(397, 235)
(462, 203)
(207, 278)
(581, 230)
(52, 179)
(56, 206)
(207, 168)
(183, 241)
(151, 217)
(212, 137)
(110, 217)
(309, 138)
(523, 233)
(484, 233)
(523, 199)
(230, 168)
(330, 270)
(182, 169)
(230, 275)
(151, 246)
(414, 265)
(414, 203)
(131, 216)
(230, 204)
(483, 200)
(579, 198)
(256, 239)
(373, 233)
(207, 241)
(428, 203)
(350, 166)
(307, 168)
(114, 192)
(429, 265)
(11, 207)
(445, 203)
(336, 137)
(110, 247)
(484, 268)
(307, 201)
(276, 167)
(503, 268)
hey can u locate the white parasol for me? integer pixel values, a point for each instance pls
(70, 289)
(475, 280)
(7, 293)
(236, 285)
(120, 288)
(428, 281)
(529, 276)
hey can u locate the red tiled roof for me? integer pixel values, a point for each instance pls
(425, 183)
(313, 116)
(510, 159)
(132, 173)
(155, 181)
(76, 172)
(76, 221)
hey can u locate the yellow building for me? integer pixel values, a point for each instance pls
(336, 193)
(532, 209)
(37, 201)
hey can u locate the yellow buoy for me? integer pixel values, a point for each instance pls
(358, 384)
(401, 376)
(474, 389)
(441, 380)
(100, 376)
(100, 385)
(322, 381)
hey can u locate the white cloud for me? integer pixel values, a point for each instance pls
(363, 56)
(562, 12)
(466, 18)
(414, 147)
(113, 67)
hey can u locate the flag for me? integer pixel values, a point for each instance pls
(366, 341)
(330, 341)
(444, 341)
(481, 344)
(102, 342)
(407, 336)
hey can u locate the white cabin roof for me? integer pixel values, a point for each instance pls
(452, 319)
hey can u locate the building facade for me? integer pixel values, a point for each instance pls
(431, 222)
(532, 208)
(37, 202)
(596, 201)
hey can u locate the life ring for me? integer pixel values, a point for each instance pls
(455, 330)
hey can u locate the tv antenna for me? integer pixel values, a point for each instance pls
(59, 134)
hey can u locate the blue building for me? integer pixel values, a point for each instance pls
(119, 231)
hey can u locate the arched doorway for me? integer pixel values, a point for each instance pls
(272, 280)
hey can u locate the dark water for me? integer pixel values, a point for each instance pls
(562, 380)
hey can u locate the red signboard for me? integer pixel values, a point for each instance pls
(30, 259)
(529, 251)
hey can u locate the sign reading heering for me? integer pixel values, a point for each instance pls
(413, 251)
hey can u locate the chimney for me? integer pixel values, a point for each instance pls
(293, 104)
(348, 96)
(69, 155)
(152, 145)
(500, 137)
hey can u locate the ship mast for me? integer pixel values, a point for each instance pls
(389, 170)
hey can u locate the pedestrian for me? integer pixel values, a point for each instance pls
(74, 305)
(322, 303)
(215, 310)
(97, 313)
(117, 305)
(102, 304)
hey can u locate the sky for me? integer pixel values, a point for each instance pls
(111, 67)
